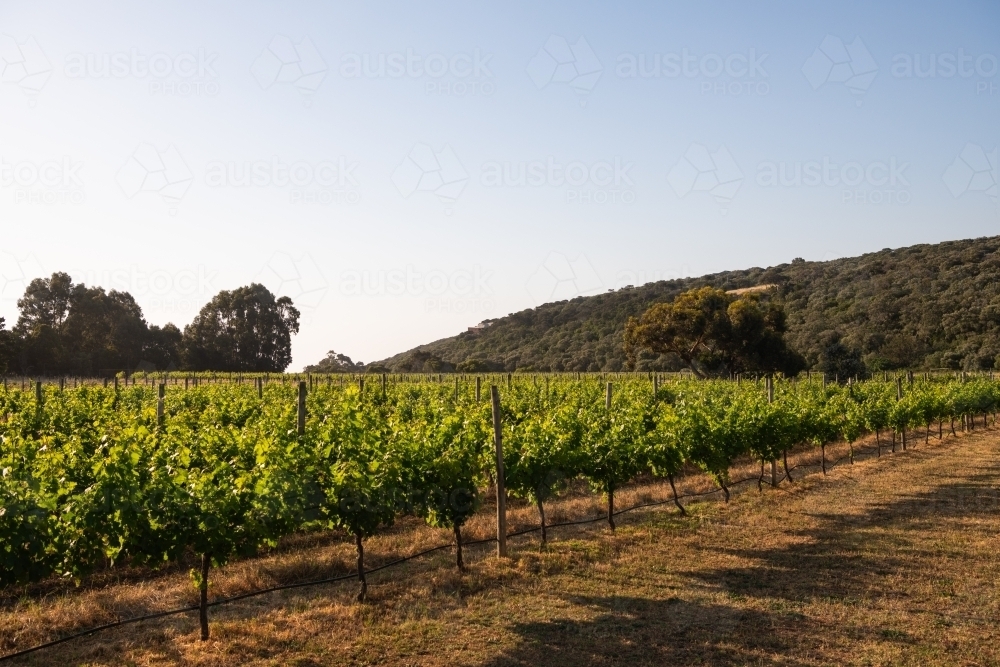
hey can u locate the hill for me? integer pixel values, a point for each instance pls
(923, 306)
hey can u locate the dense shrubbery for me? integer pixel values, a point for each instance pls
(926, 306)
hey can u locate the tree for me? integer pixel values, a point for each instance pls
(687, 327)
(163, 346)
(839, 360)
(71, 328)
(709, 329)
(421, 361)
(335, 362)
(103, 331)
(8, 347)
(44, 308)
(756, 338)
(46, 301)
(246, 329)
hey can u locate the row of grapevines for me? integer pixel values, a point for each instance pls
(91, 477)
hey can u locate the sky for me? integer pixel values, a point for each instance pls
(405, 170)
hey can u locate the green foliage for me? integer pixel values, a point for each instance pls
(335, 362)
(448, 442)
(245, 329)
(90, 478)
(542, 436)
(614, 440)
(711, 330)
(71, 329)
(925, 306)
(358, 476)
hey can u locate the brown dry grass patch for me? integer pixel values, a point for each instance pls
(889, 561)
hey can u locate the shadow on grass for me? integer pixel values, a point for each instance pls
(639, 631)
(845, 556)
(841, 559)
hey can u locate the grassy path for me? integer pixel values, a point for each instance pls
(890, 561)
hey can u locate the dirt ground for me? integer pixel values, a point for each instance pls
(891, 560)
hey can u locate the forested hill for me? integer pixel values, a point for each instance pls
(925, 306)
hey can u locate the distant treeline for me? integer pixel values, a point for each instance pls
(71, 329)
(920, 307)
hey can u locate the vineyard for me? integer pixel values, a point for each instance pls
(93, 475)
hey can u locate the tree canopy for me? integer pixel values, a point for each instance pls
(245, 329)
(71, 328)
(335, 362)
(67, 328)
(711, 330)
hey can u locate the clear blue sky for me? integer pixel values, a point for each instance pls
(405, 170)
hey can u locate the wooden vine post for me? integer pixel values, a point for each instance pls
(899, 397)
(206, 561)
(479, 388)
(501, 489)
(161, 392)
(770, 399)
(302, 408)
(611, 492)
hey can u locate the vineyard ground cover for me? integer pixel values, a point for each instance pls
(583, 577)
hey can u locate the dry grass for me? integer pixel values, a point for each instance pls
(889, 561)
